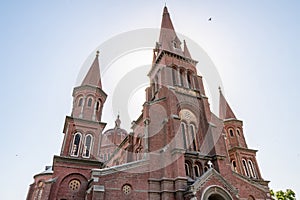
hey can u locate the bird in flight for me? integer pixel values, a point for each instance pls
(209, 19)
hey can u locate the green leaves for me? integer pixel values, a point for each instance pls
(280, 195)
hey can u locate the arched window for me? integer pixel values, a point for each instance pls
(238, 132)
(90, 101)
(174, 44)
(39, 191)
(76, 144)
(181, 77)
(251, 167)
(245, 167)
(194, 140)
(187, 169)
(205, 169)
(184, 135)
(97, 105)
(174, 71)
(87, 146)
(197, 171)
(189, 80)
(156, 83)
(80, 101)
(231, 132)
(233, 165)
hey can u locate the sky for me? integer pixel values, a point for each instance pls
(254, 45)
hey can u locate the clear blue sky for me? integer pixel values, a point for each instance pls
(254, 44)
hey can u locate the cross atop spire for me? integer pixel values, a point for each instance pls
(118, 121)
(93, 75)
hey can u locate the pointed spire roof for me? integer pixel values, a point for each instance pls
(186, 51)
(225, 112)
(166, 20)
(168, 39)
(93, 75)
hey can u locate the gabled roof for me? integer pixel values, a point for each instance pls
(93, 75)
(200, 182)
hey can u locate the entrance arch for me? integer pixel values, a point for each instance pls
(215, 193)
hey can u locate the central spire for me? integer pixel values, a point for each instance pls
(166, 20)
(168, 39)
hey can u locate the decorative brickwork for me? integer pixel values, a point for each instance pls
(178, 149)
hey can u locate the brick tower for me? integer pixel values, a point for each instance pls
(178, 149)
(70, 173)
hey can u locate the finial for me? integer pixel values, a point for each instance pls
(220, 89)
(165, 4)
(97, 53)
(118, 121)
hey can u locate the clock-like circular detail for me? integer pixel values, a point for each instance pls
(74, 185)
(126, 189)
(187, 115)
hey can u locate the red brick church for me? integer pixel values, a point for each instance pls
(177, 149)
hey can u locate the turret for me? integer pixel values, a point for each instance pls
(88, 98)
(84, 127)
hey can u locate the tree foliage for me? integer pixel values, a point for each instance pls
(280, 195)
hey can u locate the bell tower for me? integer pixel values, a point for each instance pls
(84, 127)
(82, 134)
(243, 160)
(176, 112)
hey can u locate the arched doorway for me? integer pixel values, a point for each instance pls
(215, 197)
(215, 193)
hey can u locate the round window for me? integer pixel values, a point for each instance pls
(74, 185)
(126, 189)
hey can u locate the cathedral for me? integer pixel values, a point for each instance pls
(177, 148)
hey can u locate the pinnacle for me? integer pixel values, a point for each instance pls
(225, 112)
(93, 75)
